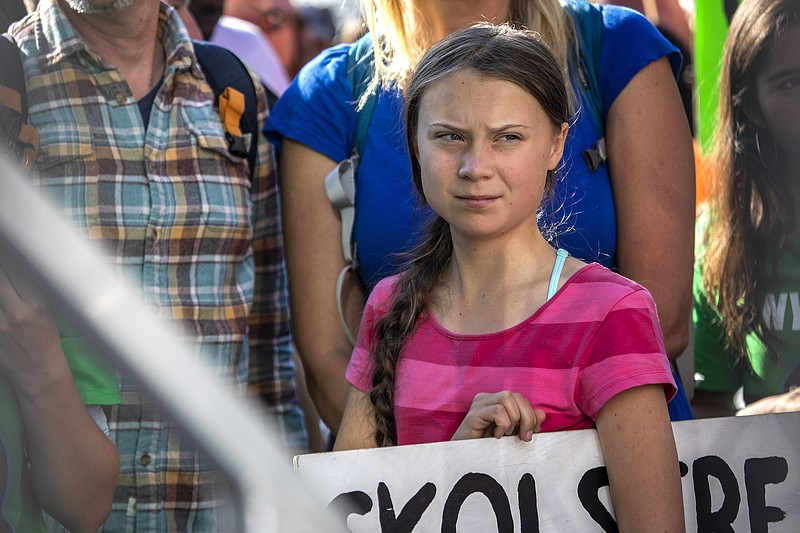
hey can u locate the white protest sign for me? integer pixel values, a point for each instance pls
(738, 474)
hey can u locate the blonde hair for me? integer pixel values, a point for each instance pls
(400, 38)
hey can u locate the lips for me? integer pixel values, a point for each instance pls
(477, 202)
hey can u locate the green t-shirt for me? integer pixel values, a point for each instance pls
(93, 375)
(760, 375)
(18, 508)
(97, 384)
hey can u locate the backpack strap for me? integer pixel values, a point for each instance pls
(340, 183)
(360, 71)
(587, 19)
(21, 138)
(236, 97)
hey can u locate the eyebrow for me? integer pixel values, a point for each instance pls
(786, 73)
(492, 130)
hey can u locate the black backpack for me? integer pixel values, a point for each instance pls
(18, 140)
(222, 68)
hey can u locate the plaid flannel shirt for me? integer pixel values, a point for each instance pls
(180, 219)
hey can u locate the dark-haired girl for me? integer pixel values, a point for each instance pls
(490, 331)
(747, 272)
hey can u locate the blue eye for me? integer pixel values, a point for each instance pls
(450, 137)
(791, 83)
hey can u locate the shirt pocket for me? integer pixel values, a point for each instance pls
(68, 173)
(64, 153)
(223, 182)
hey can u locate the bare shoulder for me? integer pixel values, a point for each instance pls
(571, 267)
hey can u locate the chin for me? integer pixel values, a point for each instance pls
(97, 7)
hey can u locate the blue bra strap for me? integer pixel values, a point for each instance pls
(561, 256)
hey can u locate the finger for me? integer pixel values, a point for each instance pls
(9, 297)
(504, 421)
(500, 431)
(24, 288)
(487, 415)
(527, 418)
(492, 420)
(540, 416)
(511, 404)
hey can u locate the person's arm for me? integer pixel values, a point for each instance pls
(642, 461)
(717, 374)
(673, 18)
(652, 174)
(313, 232)
(73, 465)
(271, 373)
(779, 403)
(357, 430)
(712, 404)
(317, 438)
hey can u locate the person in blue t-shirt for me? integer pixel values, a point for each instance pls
(634, 213)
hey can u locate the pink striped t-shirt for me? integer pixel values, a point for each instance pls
(598, 336)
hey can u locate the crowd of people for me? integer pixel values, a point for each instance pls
(512, 252)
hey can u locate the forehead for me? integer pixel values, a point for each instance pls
(784, 52)
(467, 89)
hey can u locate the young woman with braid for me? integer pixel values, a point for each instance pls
(747, 272)
(633, 214)
(490, 331)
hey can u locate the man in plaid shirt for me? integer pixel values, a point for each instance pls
(133, 152)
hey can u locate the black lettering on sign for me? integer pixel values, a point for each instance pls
(758, 472)
(528, 510)
(719, 521)
(473, 483)
(356, 502)
(409, 515)
(591, 482)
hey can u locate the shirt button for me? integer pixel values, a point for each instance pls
(145, 459)
(121, 98)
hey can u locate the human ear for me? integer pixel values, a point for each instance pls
(749, 105)
(557, 150)
(752, 113)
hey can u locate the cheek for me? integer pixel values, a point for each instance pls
(432, 173)
(782, 116)
(432, 165)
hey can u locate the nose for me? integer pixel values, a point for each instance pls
(476, 163)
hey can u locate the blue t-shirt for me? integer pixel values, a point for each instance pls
(318, 110)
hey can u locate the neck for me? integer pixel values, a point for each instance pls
(446, 16)
(500, 268)
(792, 177)
(488, 289)
(126, 39)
